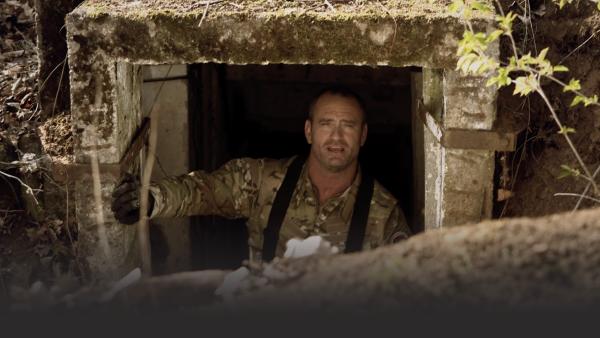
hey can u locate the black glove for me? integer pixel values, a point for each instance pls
(126, 200)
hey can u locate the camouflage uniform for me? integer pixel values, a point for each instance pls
(246, 188)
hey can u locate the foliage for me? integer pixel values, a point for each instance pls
(524, 71)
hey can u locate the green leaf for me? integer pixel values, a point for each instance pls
(566, 130)
(525, 85)
(577, 100)
(493, 36)
(481, 7)
(598, 5)
(560, 68)
(590, 100)
(465, 61)
(573, 85)
(566, 171)
(505, 22)
(542, 54)
(561, 4)
(456, 6)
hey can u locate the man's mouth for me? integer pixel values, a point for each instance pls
(335, 149)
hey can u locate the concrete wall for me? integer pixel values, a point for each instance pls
(458, 182)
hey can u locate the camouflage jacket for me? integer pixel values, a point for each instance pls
(246, 188)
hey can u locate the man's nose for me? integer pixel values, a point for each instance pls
(337, 132)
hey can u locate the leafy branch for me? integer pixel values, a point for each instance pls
(524, 71)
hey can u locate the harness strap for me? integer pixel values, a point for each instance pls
(360, 215)
(358, 223)
(279, 209)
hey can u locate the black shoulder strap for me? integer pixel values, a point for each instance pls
(279, 209)
(360, 215)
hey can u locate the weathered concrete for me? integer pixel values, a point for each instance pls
(109, 39)
(458, 182)
(468, 102)
(109, 249)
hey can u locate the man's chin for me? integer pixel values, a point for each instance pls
(337, 165)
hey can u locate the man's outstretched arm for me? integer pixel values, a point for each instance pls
(229, 191)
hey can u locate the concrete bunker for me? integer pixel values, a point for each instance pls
(238, 53)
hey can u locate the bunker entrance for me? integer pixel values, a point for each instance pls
(439, 165)
(259, 111)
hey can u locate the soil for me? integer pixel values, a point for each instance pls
(31, 249)
(572, 36)
(57, 137)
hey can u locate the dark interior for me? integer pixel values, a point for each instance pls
(259, 111)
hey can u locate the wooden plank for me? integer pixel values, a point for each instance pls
(479, 139)
(498, 139)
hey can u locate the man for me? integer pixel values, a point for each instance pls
(326, 194)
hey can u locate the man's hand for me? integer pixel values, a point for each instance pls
(126, 200)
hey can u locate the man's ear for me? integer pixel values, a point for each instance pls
(308, 131)
(363, 136)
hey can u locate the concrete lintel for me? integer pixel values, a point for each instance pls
(409, 34)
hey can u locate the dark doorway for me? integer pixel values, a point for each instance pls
(259, 111)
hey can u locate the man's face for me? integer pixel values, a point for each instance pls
(336, 131)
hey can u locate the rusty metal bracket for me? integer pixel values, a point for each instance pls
(137, 142)
(497, 139)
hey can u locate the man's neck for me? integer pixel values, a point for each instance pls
(330, 183)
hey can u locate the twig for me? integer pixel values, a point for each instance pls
(395, 23)
(67, 225)
(329, 5)
(577, 48)
(586, 190)
(235, 5)
(568, 139)
(98, 198)
(576, 92)
(162, 169)
(62, 73)
(52, 72)
(27, 188)
(515, 172)
(143, 233)
(204, 14)
(577, 195)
